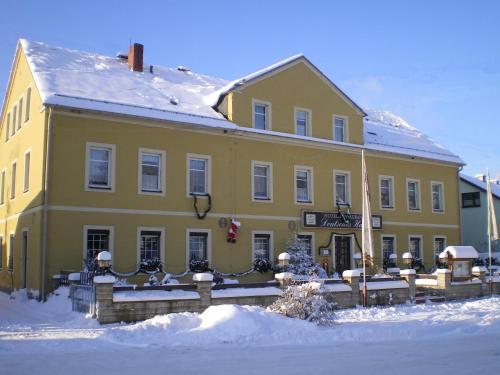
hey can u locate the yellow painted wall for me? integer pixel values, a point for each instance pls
(29, 137)
(297, 86)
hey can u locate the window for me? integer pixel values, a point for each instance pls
(198, 245)
(262, 185)
(2, 188)
(439, 246)
(11, 253)
(413, 190)
(261, 115)
(340, 128)
(306, 241)
(13, 181)
(198, 174)
(1, 252)
(386, 186)
(471, 200)
(7, 127)
(437, 197)
(342, 188)
(14, 117)
(303, 185)
(97, 240)
(151, 171)
(150, 244)
(388, 246)
(261, 245)
(100, 166)
(415, 246)
(27, 158)
(28, 105)
(302, 120)
(20, 114)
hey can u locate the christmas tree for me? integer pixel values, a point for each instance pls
(301, 262)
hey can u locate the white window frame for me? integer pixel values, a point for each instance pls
(271, 243)
(310, 184)
(436, 236)
(410, 236)
(111, 168)
(209, 243)
(419, 195)
(392, 195)
(27, 105)
(348, 188)
(2, 251)
(208, 173)
(27, 172)
(162, 241)
(442, 211)
(3, 177)
(308, 120)
(346, 128)
(13, 178)
(111, 229)
(269, 165)
(7, 126)
(394, 238)
(268, 113)
(313, 242)
(162, 171)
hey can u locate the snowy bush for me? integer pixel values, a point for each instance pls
(306, 302)
(301, 263)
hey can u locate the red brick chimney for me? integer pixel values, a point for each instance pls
(135, 55)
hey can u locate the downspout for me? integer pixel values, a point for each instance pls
(45, 208)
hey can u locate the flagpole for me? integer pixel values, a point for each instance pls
(489, 201)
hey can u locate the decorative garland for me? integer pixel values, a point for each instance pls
(195, 204)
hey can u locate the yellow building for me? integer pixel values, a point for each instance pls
(106, 153)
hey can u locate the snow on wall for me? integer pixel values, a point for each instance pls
(154, 295)
(246, 292)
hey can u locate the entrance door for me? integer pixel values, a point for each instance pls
(342, 253)
(24, 265)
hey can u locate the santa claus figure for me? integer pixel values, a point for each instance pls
(232, 233)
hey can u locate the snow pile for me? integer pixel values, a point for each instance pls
(386, 131)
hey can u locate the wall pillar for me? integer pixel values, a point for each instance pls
(480, 273)
(352, 277)
(284, 278)
(443, 279)
(103, 296)
(409, 275)
(203, 283)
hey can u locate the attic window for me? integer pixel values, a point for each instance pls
(174, 100)
(122, 55)
(372, 133)
(184, 69)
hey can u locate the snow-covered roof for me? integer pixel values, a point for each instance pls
(84, 80)
(461, 252)
(386, 131)
(495, 189)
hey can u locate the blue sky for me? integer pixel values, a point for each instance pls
(435, 63)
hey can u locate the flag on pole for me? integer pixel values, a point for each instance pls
(492, 220)
(366, 223)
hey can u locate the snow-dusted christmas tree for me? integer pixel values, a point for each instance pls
(301, 262)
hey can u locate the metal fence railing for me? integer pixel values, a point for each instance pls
(82, 298)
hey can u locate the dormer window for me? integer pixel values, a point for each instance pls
(261, 115)
(302, 120)
(340, 128)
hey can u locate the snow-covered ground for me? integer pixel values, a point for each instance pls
(460, 337)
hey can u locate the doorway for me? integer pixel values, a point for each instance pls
(342, 253)
(24, 257)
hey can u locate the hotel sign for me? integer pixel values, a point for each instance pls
(336, 220)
